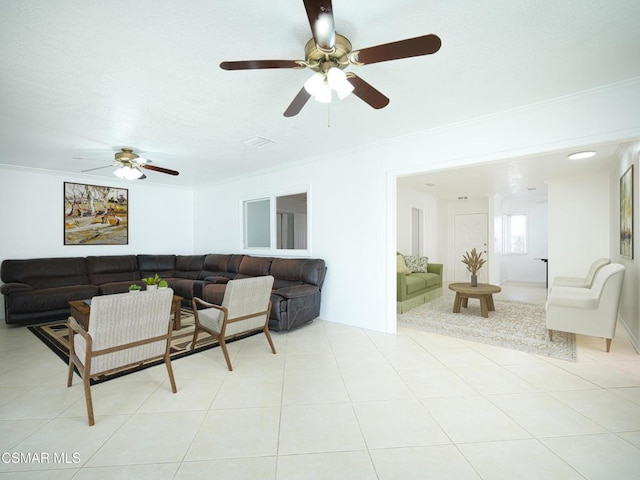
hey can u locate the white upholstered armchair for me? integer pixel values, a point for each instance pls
(588, 311)
(245, 308)
(124, 329)
(582, 282)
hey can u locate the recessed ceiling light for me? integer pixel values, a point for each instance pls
(582, 155)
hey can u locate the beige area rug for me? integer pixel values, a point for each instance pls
(55, 336)
(515, 325)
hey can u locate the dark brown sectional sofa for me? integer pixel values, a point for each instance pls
(38, 290)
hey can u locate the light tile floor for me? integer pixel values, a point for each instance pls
(336, 402)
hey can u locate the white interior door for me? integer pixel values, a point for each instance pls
(469, 231)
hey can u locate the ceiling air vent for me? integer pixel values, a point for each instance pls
(259, 142)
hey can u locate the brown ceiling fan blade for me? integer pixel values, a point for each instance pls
(159, 169)
(411, 47)
(296, 105)
(320, 15)
(366, 92)
(259, 64)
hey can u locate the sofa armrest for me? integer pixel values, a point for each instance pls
(436, 268)
(296, 291)
(572, 300)
(14, 287)
(401, 286)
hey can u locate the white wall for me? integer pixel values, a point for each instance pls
(498, 267)
(630, 301)
(31, 219)
(353, 205)
(408, 199)
(579, 214)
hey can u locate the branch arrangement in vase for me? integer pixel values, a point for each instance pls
(473, 261)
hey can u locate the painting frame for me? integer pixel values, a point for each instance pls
(95, 214)
(626, 213)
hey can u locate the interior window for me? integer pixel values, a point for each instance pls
(291, 220)
(257, 223)
(516, 234)
(279, 222)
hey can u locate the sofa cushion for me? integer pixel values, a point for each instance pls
(213, 293)
(188, 266)
(112, 268)
(50, 298)
(416, 263)
(254, 266)
(221, 265)
(430, 279)
(163, 265)
(46, 272)
(415, 283)
(119, 287)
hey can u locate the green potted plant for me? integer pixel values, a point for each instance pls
(163, 284)
(152, 282)
(134, 288)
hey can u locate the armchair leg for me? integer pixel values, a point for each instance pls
(266, 332)
(70, 376)
(167, 362)
(608, 344)
(223, 345)
(195, 337)
(87, 396)
(550, 335)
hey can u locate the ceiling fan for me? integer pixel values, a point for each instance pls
(130, 164)
(329, 53)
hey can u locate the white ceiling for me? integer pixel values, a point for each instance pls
(83, 78)
(517, 179)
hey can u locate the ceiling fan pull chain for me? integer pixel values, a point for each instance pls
(329, 115)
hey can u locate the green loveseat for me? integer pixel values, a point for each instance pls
(417, 287)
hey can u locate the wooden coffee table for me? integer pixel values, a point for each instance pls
(80, 310)
(484, 292)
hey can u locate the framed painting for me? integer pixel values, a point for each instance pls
(95, 215)
(626, 213)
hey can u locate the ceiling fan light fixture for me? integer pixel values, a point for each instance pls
(315, 84)
(582, 155)
(337, 80)
(127, 173)
(323, 95)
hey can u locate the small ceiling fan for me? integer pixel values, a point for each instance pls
(130, 164)
(329, 53)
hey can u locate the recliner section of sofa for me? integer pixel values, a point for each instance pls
(38, 290)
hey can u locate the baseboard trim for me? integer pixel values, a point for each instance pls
(634, 341)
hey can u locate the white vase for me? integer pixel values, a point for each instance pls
(152, 287)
